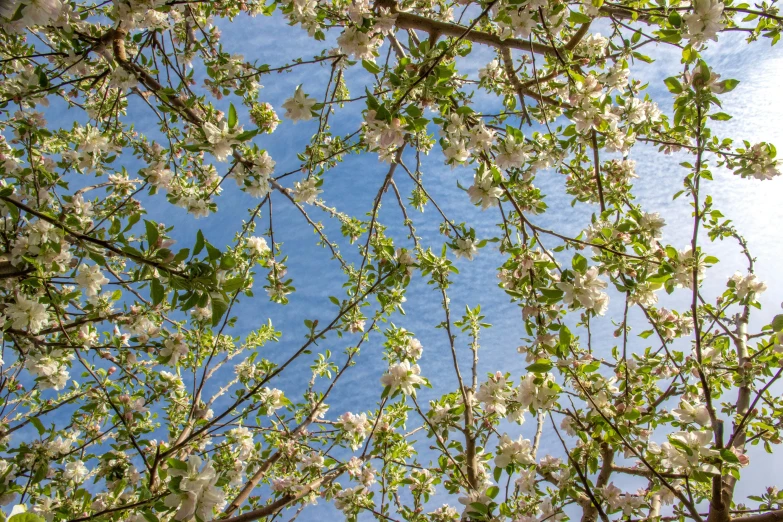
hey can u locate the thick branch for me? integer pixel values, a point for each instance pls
(421, 23)
(771, 516)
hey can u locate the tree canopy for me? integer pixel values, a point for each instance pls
(142, 377)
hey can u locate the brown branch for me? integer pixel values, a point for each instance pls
(283, 501)
(421, 23)
(578, 35)
(607, 459)
(597, 167)
(508, 64)
(771, 516)
(89, 239)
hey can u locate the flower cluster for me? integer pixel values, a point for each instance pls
(586, 291)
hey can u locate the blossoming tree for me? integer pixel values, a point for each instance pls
(115, 405)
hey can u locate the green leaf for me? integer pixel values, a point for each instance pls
(565, 337)
(199, 243)
(233, 284)
(493, 491)
(675, 19)
(478, 507)
(551, 293)
(777, 323)
(700, 476)
(632, 414)
(38, 425)
(540, 366)
(579, 18)
(177, 464)
(704, 69)
(689, 54)
(219, 307)
(372, 101)
(729, 456)
(371, 67)
(26, 517)
(720, 116)
(642, 57)
(232, 116)
(227, 262)
(152, 233)
(244, 136)
(681, 445)
(182, 255)
(592, 367)
(729, 85)
(115, 227)
(673, 84)
(413, 111)
(213, 253)
(157, 291)
(579, 263)
(670, 35)
(659, 278)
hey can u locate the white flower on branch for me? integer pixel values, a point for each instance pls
(359, 44)
(299, 107)
(511, 155)
(403, 377)
(688, 413)
(483, 192)
(198, 494)
(257, 246)
(586, 291)
(306, 191)
(91, 279)
(688, 451)
(513, 452)
(466, 247)
(27, 314)
(705, 21)
(492, 72)
(748, 285)
(221, 139)
(76, 471)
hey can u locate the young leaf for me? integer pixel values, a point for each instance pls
(232, 116)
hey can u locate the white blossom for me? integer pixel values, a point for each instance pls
(257, 245)
(27, 314)
(299, 107)
(483, 192)
(91, 279)
(76, 471)
(704, 22)
(403, 377)
(306, 191)
(747, 285)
